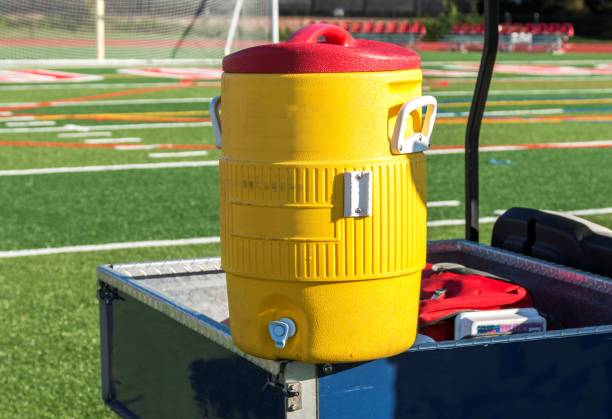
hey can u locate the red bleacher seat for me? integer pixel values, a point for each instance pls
(474, 29)
(382, 26)
(391, 27)
(537, 29)
(379, 26)
(567, 29)
(355, 27)
(456, 29)
(403, 27)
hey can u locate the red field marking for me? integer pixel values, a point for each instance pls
(98, 96)
(212, 43)
(603, 48)
(127, 43)
(520, 147)
(190, 73)
(500, 147)
(589, 48)
(57, 144)
(44, 76)
(465, 69)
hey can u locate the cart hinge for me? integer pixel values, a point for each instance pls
(293, 394)
(292, 390)
(107, 294)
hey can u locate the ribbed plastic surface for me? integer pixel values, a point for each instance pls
(302, 233)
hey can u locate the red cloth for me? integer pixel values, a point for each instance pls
(446, 294)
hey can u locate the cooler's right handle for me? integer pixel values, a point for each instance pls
(419, 141)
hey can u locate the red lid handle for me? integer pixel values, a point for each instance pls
(333, 35)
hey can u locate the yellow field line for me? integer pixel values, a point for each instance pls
(532, 102)
(123, 115)
(515, 120)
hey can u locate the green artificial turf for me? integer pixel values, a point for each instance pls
(76, 92)
(49, 345)
(88, 208)
(523, 133)
(15, 158)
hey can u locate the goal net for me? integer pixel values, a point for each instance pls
(131, 31)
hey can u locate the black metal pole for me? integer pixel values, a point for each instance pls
(485, 72)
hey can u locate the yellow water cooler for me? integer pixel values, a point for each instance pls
(323, 201)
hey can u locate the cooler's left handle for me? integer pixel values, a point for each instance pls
(215, 105)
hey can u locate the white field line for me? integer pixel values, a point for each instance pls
(80, 86)
(588, 211)
(30, 124)
(107, 246)
(110, 168)
(111, 102)
(458, 222)
(451, 203)
(113, 140)
(158, 125)
(136, 147)
(539, 78)
(85, 134)
(523, 92)
(216, 239)
(489, 220)
(178, 154)
(524, 147)
(79, 128)
(17, 118)
(482, 149)
(553, 111)
(107, 63)
(551, 62)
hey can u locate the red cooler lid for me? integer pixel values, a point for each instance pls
(338, 53)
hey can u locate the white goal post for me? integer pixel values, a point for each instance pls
(77, 33)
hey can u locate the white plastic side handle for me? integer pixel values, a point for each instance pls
(215, 104)
(419, 141)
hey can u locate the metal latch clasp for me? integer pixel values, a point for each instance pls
(358, 194)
